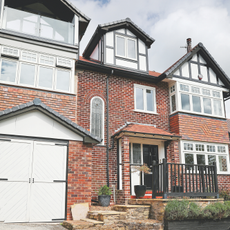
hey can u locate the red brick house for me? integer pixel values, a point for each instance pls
(144, 116)
(69, 125)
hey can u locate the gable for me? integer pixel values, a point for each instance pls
(195, 62)
(121, 44)
(36, 124)
(198, 69)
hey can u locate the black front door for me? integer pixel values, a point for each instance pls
(150, 154)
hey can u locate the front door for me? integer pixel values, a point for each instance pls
(150, 154)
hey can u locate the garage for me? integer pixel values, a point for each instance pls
(35, 145)
(32, 181)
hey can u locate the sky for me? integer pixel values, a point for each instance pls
(170, 23)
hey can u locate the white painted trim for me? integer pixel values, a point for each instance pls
(103, 118)
(2, 12)
(144, 98)
(120, 167)
(76, 30)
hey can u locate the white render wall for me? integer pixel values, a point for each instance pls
(36, 124)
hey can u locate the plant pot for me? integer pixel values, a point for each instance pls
(139, 190)
(104, 200)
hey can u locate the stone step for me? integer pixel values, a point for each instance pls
(134, 211)
(96, 222)
(108, 217)
(78, 224)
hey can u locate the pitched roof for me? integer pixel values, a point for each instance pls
(199, 47)
(104, 28)
(75, 9)
(144, 129)
(37, 104)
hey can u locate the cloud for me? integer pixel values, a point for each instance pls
(170, 23)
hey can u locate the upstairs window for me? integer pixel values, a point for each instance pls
(35, 70)
(97, 117)
(126, 47)
(145, 98)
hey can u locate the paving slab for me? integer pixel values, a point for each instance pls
(30, 226)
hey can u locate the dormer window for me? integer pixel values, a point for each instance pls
(126, 47)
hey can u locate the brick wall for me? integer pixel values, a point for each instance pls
(79, 174)
(121, 110)
(62, 103)
(199, 128)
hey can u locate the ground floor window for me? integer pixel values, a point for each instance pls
(205, 154)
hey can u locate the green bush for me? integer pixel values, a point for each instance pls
(104, 190)
(214, 211)
(176, 210)
(182, 210)
(225, 194)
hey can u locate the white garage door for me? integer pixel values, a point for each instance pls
(32, 181)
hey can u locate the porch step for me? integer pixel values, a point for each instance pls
(107, 217)
(134, 211)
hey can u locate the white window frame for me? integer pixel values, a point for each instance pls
(17, 71)
(144, 99)
(53, 77)
(206, 153)
(212, 89)
(35, 74)
(10, 54)
(126, 46)
(103, 118)
(38, 65)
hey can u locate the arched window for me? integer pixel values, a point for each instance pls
(97, 117)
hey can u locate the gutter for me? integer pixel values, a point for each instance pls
(107, 126)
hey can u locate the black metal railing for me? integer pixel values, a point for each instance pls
(170, 180)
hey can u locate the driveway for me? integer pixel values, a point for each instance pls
(28, 226)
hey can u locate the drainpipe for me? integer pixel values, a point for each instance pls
(107, 126)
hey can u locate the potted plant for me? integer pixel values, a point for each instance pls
(141, 189)
(104, 195)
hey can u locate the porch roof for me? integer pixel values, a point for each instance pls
(145, 131)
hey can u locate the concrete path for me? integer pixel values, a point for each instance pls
(29, 226)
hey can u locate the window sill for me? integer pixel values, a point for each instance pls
(143, 111)
(199, 114)
(35, 88)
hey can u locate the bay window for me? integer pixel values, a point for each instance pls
(206, 154)
(196, 99)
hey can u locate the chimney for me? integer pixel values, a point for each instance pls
(189, 44)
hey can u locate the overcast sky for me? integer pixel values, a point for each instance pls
(170, 23)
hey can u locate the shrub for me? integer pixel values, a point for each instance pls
(176, 210)
(214, 211)
(182, 210)
(104, 190)
(225, 194)
(194, 211)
